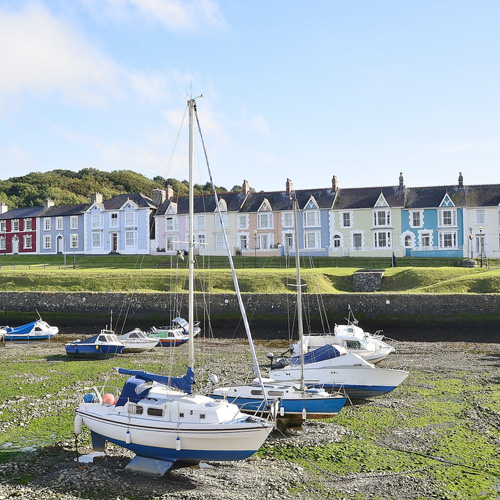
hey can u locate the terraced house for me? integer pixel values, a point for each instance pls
(18, 229)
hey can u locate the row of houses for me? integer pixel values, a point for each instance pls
(438, 221)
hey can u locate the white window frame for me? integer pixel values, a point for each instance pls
(3, 225)
(243, 241)
(265, 220)
(311, 218)
(480, 217)
(15, 225)
(217, 224)
(266, 241)
(130, 219)
(171, 223)
(413, 215)
(423, 237)
(131, 238)
(354, 246)
(289, 240)
(47, 223)
(74, 240)
(378, 236)
(59, 223)
(382, 218)
(447, 236)
(3, 243)
(170, 243)
(336, 241)
(448, 221)
(47, 242)
(242, 221)
(27, 241)
(28, 224)
(97, 221)
(199, 223)
(287, 219)
(113, 219)
(312, 240)
(97, 239)
(219, 241)
(346, 219)
(73, 222)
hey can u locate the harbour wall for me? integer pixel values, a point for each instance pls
(463, 317)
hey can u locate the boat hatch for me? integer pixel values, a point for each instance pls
(255, 392)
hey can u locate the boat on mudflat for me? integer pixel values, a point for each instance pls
(36, 330)
(103, 345)
(137, 341)
(175, 335)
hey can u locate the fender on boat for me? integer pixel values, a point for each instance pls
(78, 424)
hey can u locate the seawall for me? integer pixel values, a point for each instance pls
(406, 317)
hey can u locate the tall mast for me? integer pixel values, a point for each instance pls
(299, 292)
(192, 107)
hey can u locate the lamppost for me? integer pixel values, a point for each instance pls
(481, 243)
(255, 246)
(471, 237)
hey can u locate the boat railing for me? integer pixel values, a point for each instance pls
(96, 394)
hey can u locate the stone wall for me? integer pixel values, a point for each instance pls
(428, 317)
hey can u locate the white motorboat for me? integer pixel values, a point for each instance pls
(158, 417)
(137, 341)
(36, 330)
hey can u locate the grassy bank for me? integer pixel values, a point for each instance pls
(321, 280)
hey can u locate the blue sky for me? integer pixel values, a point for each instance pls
(360, 89)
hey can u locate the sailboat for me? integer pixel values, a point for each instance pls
(158, 417)
(334, 367)
(296, 401)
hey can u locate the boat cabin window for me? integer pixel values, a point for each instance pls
(202, 415)
(181, 415)
(275, 393)
(255, 392)
(353, 344)
(102, 338)
(136, 409)
(155, 412)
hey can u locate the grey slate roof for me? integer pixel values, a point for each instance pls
(61, 210)
(352, 198)
(22, 213)
(118, 201)
(204, 203)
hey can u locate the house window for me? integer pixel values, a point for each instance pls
(96, 239)
(243, 241)
(288, 219)
(382, 218)
(47, 242)
(447, 218)
(130, 238)
(416, 219)
(59, 223)
(346, 219)
(265, 221)
(27, 241)
(3, 226)
(382, 239)
(408, 243)
(28, 224)
(480, 219)
(311, 218)
(170, 243)
(219, 241)
(448, 239)
(336, 241)
(73, 222)
(357, 241)
(266, 241)
(130, 219)
(2, 243)
(46, 224)
(312, 239)
(15, 224)
(200, 239)
(217, 223)
(480, 244)
(171, 224)
(242, 222)
(114, 219)
(425, 240)
(74, 241)
(97, 221)
(199, 222)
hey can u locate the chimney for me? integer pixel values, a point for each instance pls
(3, 207)
(170, 192)
(48, 203)
(401, 183)
(289, 186)
(159, 196)
(460, 181)
(96, 198)
(246, 187)
(335, 183)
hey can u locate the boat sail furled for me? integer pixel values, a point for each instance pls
(159, 418)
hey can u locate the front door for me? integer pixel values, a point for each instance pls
(15, 244)
(114, 242)
(59, 244)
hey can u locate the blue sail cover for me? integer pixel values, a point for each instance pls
(321, 354)
(183, 383)
(21, 329)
